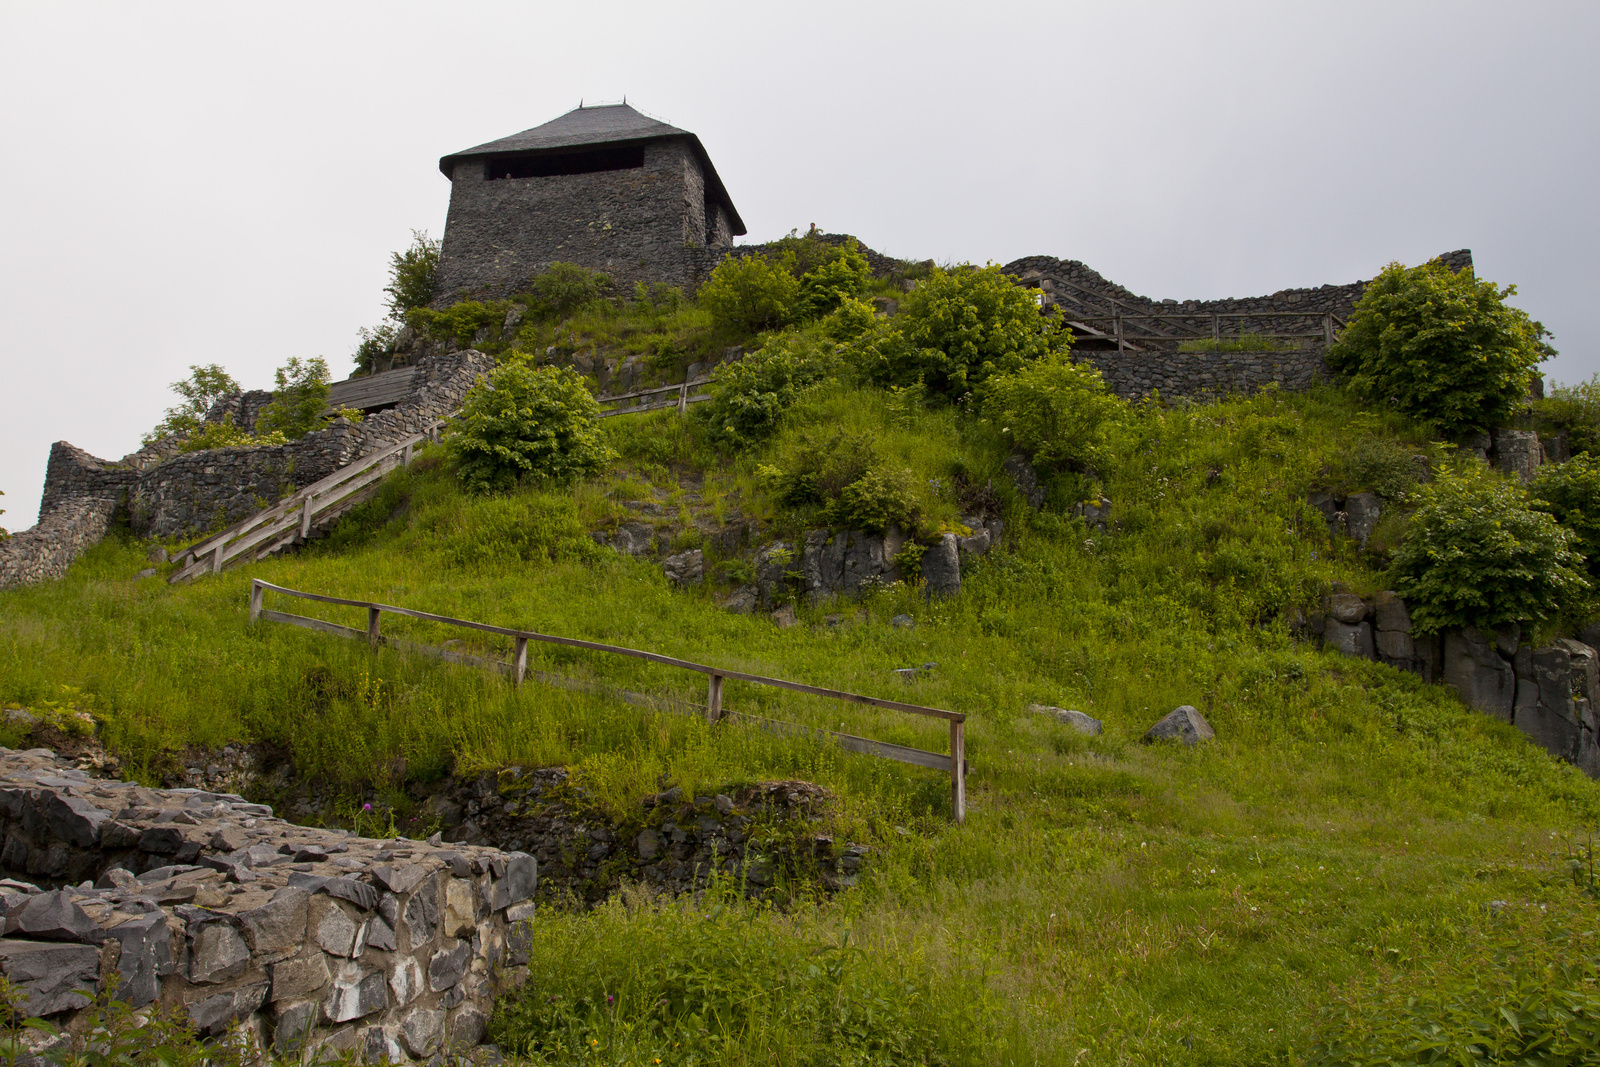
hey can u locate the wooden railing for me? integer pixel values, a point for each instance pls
(291, 519)
(681, 401)
(955, 763)
(1130, 330)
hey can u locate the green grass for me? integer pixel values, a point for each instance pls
(1105, 902)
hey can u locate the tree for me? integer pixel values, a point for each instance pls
(1440, 346)
(1477, 553)
(832, 282)
(1057, 411)
(204, 387)
(412, 275)
(1571, 493)
(522, 422)
(300, 402)
(956, 329)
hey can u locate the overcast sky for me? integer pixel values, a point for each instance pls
(223, 183)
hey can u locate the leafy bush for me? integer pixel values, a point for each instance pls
(1379, 465)
(412, 274)
(527, 422)
(563, 288)
(732, 985)
(376, 343)
(955, 330)
(880, 498)
(300, 402)
(748, 294)
(834, 281)
(1057, 411)
(1477, 553)
(1440, 346)
(750, 396)
(840, 478)
(204, 387)
(460, 321)
(1574, 410)
(1571, 492)
(226, 434)
(850, 320)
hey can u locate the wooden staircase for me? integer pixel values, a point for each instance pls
(295, 518)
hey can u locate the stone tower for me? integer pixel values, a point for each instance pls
(604, 187)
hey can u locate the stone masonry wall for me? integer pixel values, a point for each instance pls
(646, 224)
(1200, 374)
(194, 491)
(304, 938)
(46, 550)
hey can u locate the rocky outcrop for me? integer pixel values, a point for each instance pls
(301, 938)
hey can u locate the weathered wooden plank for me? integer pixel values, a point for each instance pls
(312, 624)
(661, 405)
(372, 390)
(651, 657)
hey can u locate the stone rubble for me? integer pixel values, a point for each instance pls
(304, 938)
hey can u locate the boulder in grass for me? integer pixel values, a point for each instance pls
(1084, 724)
(1182, 724)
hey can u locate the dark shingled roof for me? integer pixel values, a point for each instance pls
(607, 124)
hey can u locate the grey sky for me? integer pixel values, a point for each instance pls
(224, 182)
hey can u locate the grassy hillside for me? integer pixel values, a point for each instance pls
(1352, 838)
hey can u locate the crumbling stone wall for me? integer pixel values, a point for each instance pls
(46, 550)
(304, 938)
(1199, 375)
(170, 495)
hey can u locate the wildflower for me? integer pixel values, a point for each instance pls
(367, 806)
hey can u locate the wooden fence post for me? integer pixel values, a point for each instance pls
(255, 599)
(1118, 321)
(958, 770)
(216, 558)
(373, 636)
(305, 518)
(714, 700)
(683, 402)
(519, 662)
(405, 458)
(1327, 328)
(1216, 327)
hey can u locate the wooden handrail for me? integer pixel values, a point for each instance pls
(716, 675)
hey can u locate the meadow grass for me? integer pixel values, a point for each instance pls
(1105, 902)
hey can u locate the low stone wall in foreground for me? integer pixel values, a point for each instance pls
(207, 904)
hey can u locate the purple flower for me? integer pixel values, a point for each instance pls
(366, 807)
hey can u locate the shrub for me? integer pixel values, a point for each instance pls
(1575, 411)
(750, 396)
(524, 422)
(412, 274)
(955, 330)
(1440, 346)
(831, 283)
(748, 294)
(1571, 492)
(1381, 466)
(460, 321)
(300, 402)
(880, 498)
(564, 288)
(376, 343)
(850, 320)
(1477, 553)
(204, 387)
(1057, 411)
(226, 434)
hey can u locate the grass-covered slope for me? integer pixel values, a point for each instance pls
(1352, 837)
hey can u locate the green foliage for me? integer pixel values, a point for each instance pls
(748, 398)
(1522, 991)
(376, 343)
(300, 401)
(882, 497)
(731, 984)
(1440, 346)
(1380, 465)
(524, 422)
(1571, 492)
(564, 288)
(204, 387)
(1054, 410)
(1575, 410)
(850, 320)
(750, 293)
(227, 434)
(412, 275)
(1244, 342)
(956, 329)
(829, 284)
(1477, 553)
(460, 321)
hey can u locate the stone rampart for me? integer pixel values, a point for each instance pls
(303, 939)
(1076, 288)
(46, 550)
(171, 495)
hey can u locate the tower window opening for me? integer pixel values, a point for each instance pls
(591, 162)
